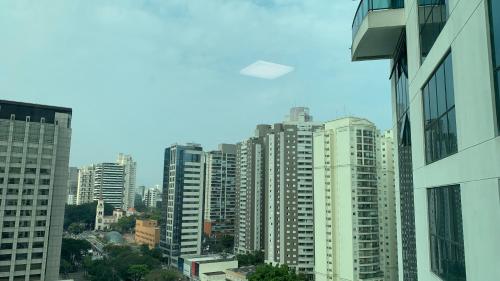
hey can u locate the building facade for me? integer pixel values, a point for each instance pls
(182, 208)
(129, 180)
(72, 186)
(355, 217)
(109, 180)
(34, 156)
(85, 190)
(289, 203)
(250, 185)
(220, 191)
(446, 111)
(147, 232)
(152, 196)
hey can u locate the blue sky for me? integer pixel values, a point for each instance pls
(143, 74)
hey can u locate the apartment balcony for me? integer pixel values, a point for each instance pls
(376, 29)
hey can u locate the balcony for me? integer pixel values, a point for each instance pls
(376, 29)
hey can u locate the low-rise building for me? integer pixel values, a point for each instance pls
(196, 267)
(239, 274)
(147, 232)
(213, 276)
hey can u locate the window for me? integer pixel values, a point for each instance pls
(495, 39)
(446, 233)
(432, 16)
(439, 113)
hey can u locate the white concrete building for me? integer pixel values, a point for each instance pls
(355, 219)
(34, 155)
(85, 190)
(445, 63)
(151, 196)
(109, 180)
(182, 209)
(129, 180)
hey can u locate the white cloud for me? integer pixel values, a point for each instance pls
(266, 70)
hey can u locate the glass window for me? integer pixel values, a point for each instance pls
(439, 113)
(495, 39)
(432, 15)
(446, 233)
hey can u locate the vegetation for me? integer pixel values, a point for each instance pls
(125, 224)
(84, 214)
(164, 275)
(76, 228)
(255, 258)
(224, 244)
(275, 273)
(122, 263)
(73, 252)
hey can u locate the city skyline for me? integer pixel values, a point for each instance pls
(77, 66)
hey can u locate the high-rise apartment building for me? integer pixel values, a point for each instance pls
(289, 203)
(34, 156)
(72, 186)
(151, 196)
(85, 190)
(220, 191)
(445, 67)
(182, 208)
(355, 219)
(109, 183)
(129, 180)
(250, 185)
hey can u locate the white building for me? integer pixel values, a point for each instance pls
(85, 190)
(34, 155)
(181, 227)
(355, 223)
(129, 170)
(152, 196)
(109, 180)
(446, 111)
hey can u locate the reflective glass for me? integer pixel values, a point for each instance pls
(452, 131)
(450, 89)
(441, 91)
(432, 98)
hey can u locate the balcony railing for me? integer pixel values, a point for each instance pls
(365, 6)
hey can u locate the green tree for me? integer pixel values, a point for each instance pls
(84, 213)
(124, 224)
(76, 228)
(254, 258)
(73, 252)
(275, 273)
(137, 271)
(164, 275)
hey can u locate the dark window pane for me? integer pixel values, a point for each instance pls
(425, 98)
(452, 132)
(450, 90)
(432, 98)
(443, 132)
(441, 91)
(495, 27)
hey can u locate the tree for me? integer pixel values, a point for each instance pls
(254, 258)
(76, 228)
(164, 275)
(73, 252)
(137, 271)
(84, 213)
(275, 273)
(124, 224)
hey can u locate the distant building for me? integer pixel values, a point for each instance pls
(152, 196)
(140, 191)
(239, 274)
(103, 222)
(85, 188)
(289, 203)
(129, 180)
(250, 185)
(147, 232)
(182, 208)
(34, 154)
(72, 186)
(355, 216)
(197, 267)
(109, 179)
(220, 191)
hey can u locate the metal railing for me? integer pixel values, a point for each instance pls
(365, 6)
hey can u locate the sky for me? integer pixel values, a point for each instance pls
(141, 75)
